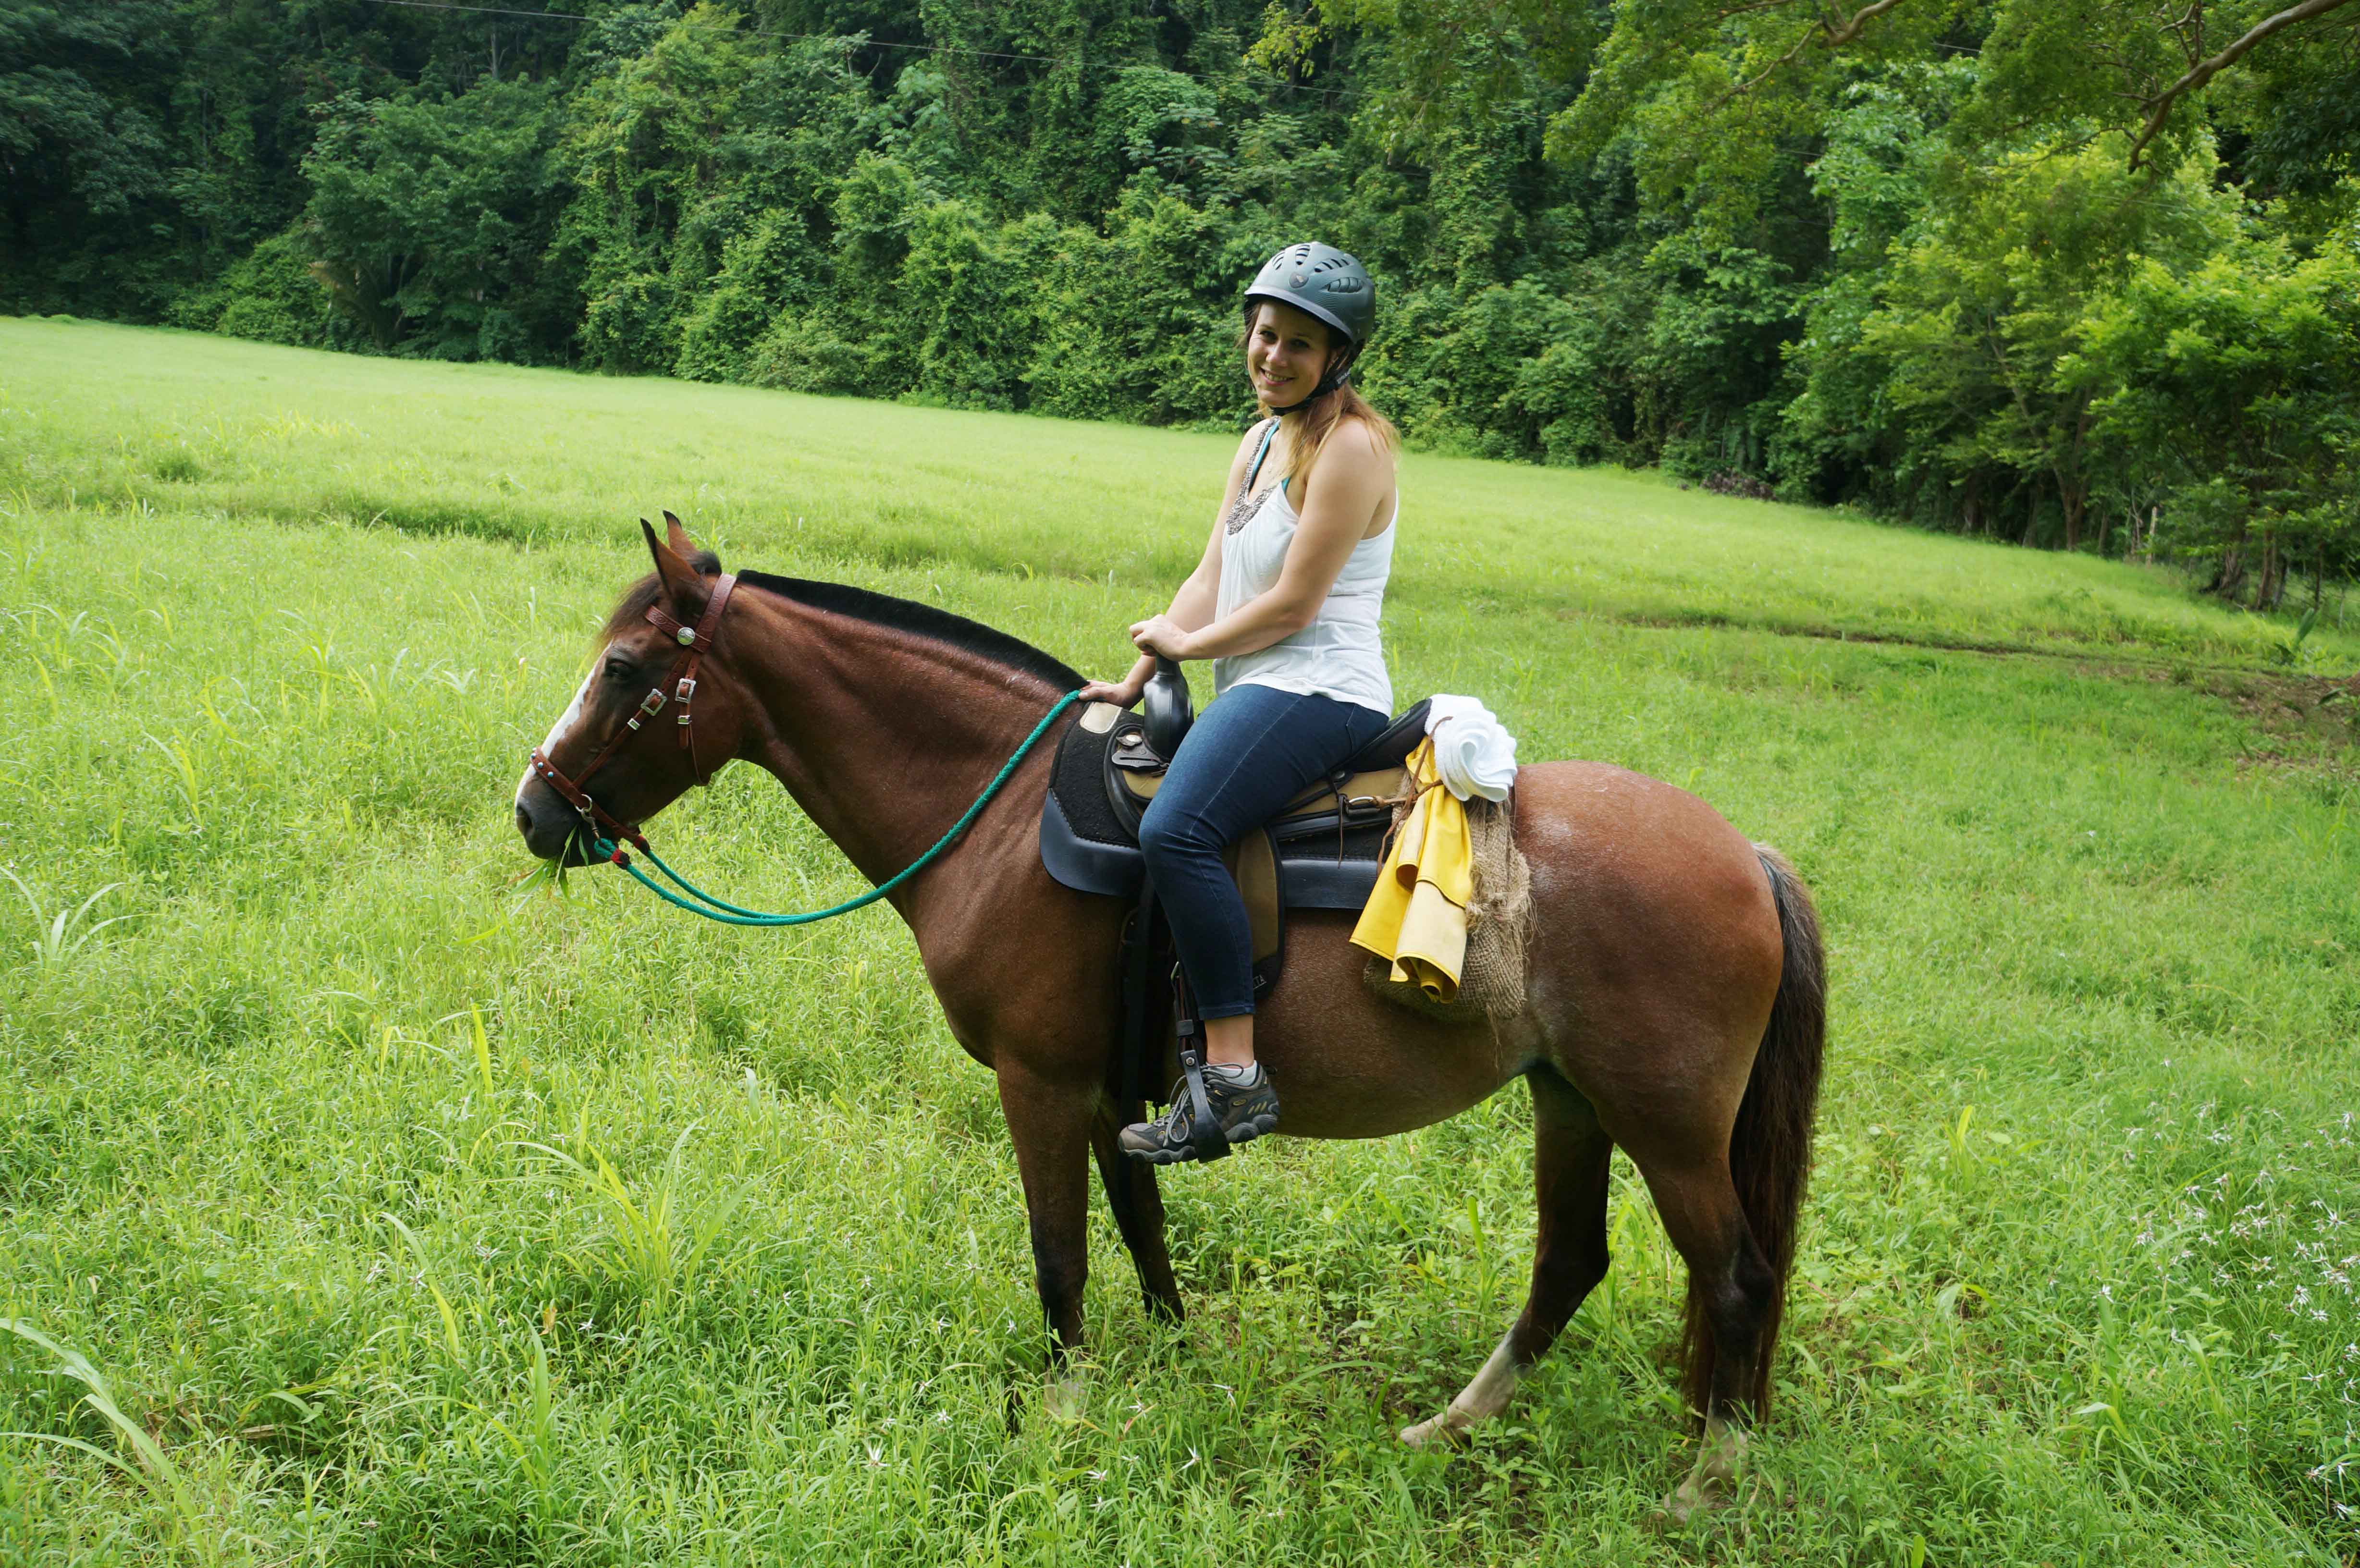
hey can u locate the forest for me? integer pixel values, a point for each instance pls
(2074, 274)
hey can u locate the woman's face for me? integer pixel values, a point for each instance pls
(1287, 350)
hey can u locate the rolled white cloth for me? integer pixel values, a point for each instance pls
(1473, 751)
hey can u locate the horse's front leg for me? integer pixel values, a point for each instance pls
(1049, 1121)
(1138, 1207)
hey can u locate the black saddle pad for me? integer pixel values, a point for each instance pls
(1087, 846)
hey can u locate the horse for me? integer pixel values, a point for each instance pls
(1675, 1006)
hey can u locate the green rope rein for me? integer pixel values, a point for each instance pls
(700, 902)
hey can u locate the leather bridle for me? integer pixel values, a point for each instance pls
(696, 642)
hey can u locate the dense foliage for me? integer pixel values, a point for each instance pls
(2080, 274)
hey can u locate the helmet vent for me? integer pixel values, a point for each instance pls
(1325, 282)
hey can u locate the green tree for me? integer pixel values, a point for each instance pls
(86, 150)
(1952, 370)
(431, 221)
(2234, 388)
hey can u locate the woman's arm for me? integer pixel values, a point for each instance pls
(1199, 592)
(1354, 474)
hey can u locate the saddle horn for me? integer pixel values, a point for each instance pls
(1167, 708)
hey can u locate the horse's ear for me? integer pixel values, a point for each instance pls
(706, 563)
(683, 587)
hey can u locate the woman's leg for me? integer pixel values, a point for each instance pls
(1253, 751)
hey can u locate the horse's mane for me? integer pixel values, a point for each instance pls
(862, 604)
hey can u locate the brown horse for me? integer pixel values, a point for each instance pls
(1675, 1006)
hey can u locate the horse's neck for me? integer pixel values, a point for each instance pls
(883, 738)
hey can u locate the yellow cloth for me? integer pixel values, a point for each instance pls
(1417, 917)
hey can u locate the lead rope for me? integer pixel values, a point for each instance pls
(728, 914)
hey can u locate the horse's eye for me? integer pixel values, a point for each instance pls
(619, 669)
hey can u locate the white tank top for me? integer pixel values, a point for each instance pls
(1339, 654)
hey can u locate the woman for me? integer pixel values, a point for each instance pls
(1285, 604)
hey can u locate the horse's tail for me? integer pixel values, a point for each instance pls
(1770, 1148)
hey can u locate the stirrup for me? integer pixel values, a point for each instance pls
(1208, 1140)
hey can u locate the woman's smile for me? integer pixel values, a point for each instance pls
(1285, 351)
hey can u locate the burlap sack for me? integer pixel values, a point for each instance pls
(1499, 926)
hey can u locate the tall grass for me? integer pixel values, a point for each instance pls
(409, 1220)
(260, 431)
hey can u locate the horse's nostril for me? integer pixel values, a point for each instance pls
(523, 820)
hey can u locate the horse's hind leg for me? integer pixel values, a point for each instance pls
(1138, 1207)
(1571, 1158)
(1732, 1293)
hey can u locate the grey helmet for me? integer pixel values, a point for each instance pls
(1321, 281)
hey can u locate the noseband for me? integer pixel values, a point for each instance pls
(696, 642)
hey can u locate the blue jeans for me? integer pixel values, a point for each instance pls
(1251, 752)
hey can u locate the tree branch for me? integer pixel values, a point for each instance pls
(1838, 38)
(2160, 107)
(1824, 32)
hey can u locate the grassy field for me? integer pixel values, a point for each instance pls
(375, 1214)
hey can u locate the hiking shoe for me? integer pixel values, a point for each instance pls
(1246, 1107)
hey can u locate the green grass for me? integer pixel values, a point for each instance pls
(409, 1221)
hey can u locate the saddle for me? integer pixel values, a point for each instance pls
(1321, 852)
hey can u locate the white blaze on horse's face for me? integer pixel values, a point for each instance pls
(564, 724)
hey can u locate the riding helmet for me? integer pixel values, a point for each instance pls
(1321, 281)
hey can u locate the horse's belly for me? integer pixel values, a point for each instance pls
(1351, 1064)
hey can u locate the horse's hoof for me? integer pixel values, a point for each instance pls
(1481, 1400)
(1434, 1431)
(1694, 1501)
(1065, 1397)
(1422, 1433)
(1711, 1485)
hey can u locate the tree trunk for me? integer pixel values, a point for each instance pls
(2271, 589)
(2231, 574)
(2073, 492)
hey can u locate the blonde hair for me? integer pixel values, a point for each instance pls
(1315, 424)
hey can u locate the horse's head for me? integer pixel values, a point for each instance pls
(656, 713)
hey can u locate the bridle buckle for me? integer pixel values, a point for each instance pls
(696, 641)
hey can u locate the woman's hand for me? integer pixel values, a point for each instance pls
(1122, 693)
(1162, 636)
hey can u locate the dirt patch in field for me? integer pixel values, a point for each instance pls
(2311, 723)
(2096, 664)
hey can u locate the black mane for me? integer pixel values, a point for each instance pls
(920, 620)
